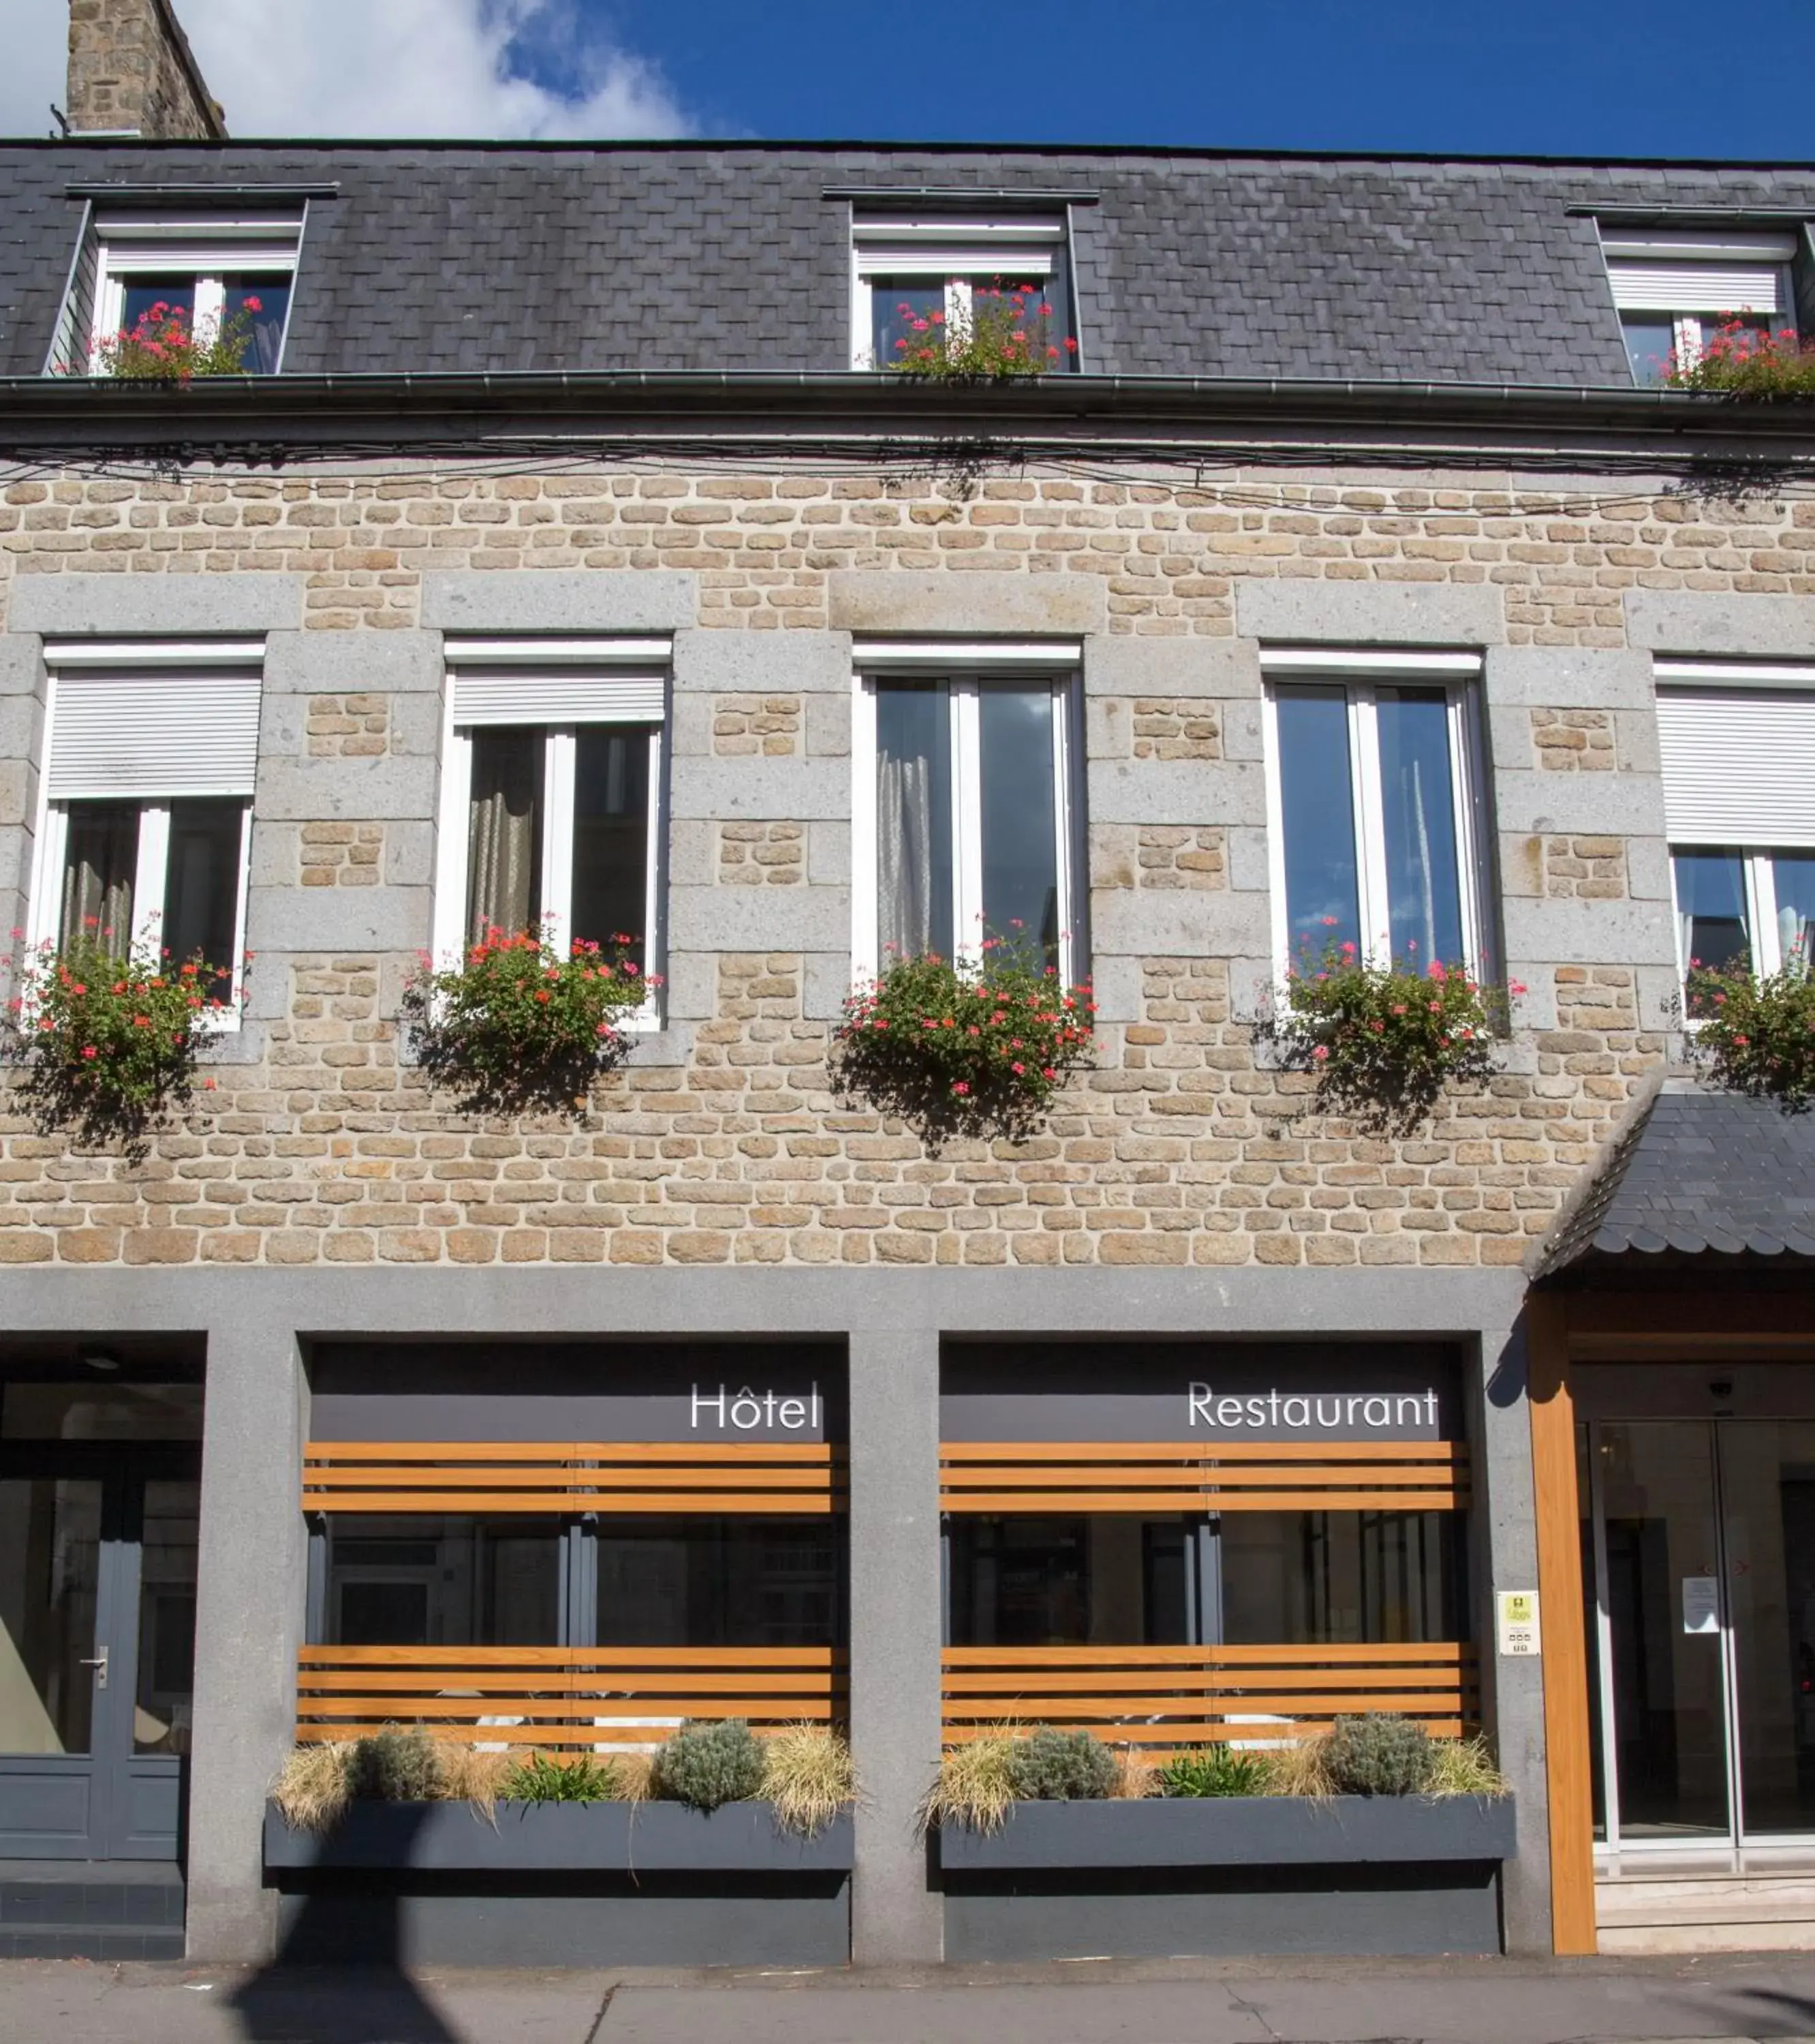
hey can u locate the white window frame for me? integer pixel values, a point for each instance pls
(961, 251)
(45, 910)
(1363, 674)
(210, 251)
(624, 659)
(1758, 870)
(1695, 276)
(964, 668)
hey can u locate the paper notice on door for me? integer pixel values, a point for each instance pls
(1701, 1604)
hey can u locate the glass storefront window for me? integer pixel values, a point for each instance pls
(720, 1581)
(1312, 1578)
(1092, 1579)
(442, 1581)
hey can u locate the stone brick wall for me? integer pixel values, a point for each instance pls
(131, 69)
(723, 1141)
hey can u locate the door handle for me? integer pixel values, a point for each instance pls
(98, 1663)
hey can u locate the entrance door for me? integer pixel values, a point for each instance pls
(96, 1644)
(1703, 1558)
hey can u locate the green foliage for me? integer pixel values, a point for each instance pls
(1747, 362)
(1049, 1766)
(1007, 336)
(1380, 1754)
(538, 1779)
(705, 1764)
(514, 1026)
(1384, 1039)
(1464, 1767)
(961, 1047)
(1756, 1035)
(394, 1767)
(1215, 1771)
(163, 345)
(108, 1041)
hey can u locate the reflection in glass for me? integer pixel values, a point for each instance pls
(712, 1580)
(50, 1548)
(1670, 1733)
(503, 855)
(914, 820)
(1312, 1578)
(139, 295)
(611, 838)
(1651, 341)
(100, 857)
(164, 1706)
(59, 1411)
(1096, 1579)
(428, 1580)
(1711, 909)
(265, 302)
(1318, 821)
(1767, 1497)
(1423, 891)
(1021, 850)
(1794, 874)
(202, 886)
(1591, 1628)
(896, 304)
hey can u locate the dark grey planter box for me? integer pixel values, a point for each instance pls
(1239, 1831)
(561, 1885)
(559, 1838)
(1224, 1877)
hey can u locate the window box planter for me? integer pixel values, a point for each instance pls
(1228, 1875)
(557, 1884)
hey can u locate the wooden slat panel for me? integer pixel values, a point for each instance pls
(629, 1452)
(1228, 1451)
(1182, 1697)
(570, 1656)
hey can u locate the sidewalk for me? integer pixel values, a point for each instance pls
(1181, 2001)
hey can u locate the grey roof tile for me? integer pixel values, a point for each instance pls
(1698, 1174)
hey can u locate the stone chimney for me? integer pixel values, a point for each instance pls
(132, 73)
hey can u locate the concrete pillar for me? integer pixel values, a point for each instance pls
(894, 1636)
(1503, 1553)
(250, 1582)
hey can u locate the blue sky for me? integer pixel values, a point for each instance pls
(1671, 77)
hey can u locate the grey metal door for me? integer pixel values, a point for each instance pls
(97, 1624)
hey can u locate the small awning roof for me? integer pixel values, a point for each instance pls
(1697, 1175)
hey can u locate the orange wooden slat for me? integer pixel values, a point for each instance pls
(806, 1505)
(1448, 1651)
(574, 1657)
(1127, 1501)
(1232, 1451)
(378, 1476)
(572, 1451)
(1168, 1735)
(1110, 1475)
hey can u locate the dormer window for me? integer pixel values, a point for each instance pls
(1675, 288)
(905, 268)
(148, 283)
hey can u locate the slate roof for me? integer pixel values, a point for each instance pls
(1699, 1175)
(457, 257)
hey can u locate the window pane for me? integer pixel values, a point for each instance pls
(611, 838)
(1318, 816)
(166, 1618)
(50, 1556)
(158, 301)
(1711, 909)
(1651, 340)
(431, 1580)
(265, 302)
(896, 304)
(202, 886)
(1096, 1579)
(1312, 1578)
(913, 820)
(711, 1580)
(1019, 834)
(100, 855)
(1423, 889)
(1794, 872)
(504, 854)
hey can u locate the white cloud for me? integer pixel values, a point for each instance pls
(382, 67)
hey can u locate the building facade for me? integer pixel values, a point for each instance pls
(569, 558)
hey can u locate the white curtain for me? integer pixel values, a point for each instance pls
(904, 854)
(505, 832)
(1795, 934)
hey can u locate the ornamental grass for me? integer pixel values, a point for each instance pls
(516, 1026)
(1383, 1039)
(964, 1047)
(108, 1041)
(808, 1777)
(1747, 362)
(1007, 336)
(1756, 1035)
